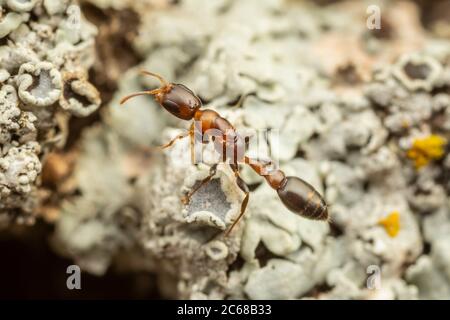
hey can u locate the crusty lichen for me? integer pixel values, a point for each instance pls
(39, 84)
(391, 223)
(418, 72)
(424, 150)
(33, 55)
(79, 97)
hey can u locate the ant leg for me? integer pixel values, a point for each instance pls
(192, 146)
(171, 142)
(192, 142)
(212, 173)
(241, 100)
(152, 149)
(243, 186)
(179, 137)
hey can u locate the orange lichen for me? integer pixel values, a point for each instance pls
(391, 223)
(426, 149)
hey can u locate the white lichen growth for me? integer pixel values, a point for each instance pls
(32, 122)
(79, 97)
(217, 203)
(19, 169)
(418, 72)
(21, 5)
(216, 250)
(39, 84)
(11, 21)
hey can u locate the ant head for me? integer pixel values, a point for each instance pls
(180, 101)
(175, 98)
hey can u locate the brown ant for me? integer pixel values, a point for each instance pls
(296, 194)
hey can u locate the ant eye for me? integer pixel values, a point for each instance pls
(171, 106)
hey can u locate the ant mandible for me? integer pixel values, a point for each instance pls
(295, 193)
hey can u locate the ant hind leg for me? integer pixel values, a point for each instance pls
(243, 186)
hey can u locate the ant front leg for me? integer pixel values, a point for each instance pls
(179, 137)
(212, 173)
(151, 149)
(243, 186)
(171, 142)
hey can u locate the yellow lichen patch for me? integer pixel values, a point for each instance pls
(426, 149)
(391, 223)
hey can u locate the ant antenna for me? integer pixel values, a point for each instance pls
(164, 86)
(157, 76)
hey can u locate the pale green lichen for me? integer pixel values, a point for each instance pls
(21, 5)
(10, 22)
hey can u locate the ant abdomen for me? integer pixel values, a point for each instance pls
(301, 198)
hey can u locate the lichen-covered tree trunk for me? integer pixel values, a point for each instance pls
(361, 113)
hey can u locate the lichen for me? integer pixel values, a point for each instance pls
(418, 72)
(424, 150)
(216, 203)
(11, 21)
(39, 84)
(217, 250)
(79, 97)
(21, 5)
(32, 124)
(391, 223)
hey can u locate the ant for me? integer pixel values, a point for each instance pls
(295, 193)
